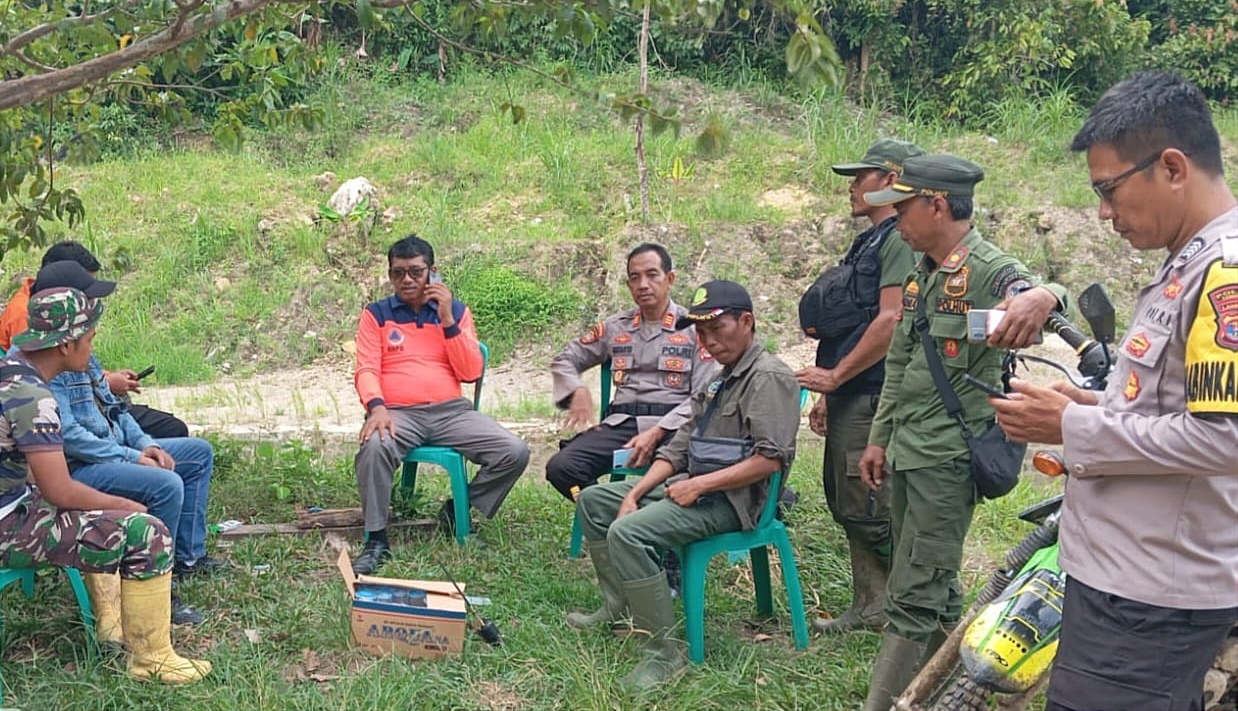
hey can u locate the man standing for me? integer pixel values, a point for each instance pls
(753, 407)
(414, 350)
(66, 523)
(655, 368)
(854, 308)
(933, 494)
(1149, 528)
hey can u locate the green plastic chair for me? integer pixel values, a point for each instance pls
(695, 558)
(616, 473)
(25, 576)
(451, 461)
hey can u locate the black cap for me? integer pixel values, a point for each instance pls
(713, 299)
(71, 274)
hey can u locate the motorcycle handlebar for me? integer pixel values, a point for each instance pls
(1093, 358)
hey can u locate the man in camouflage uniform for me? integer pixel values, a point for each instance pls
(854, 334)
(66, 523)
(933, 494)
(655, 365)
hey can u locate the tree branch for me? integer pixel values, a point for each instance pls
(33, 89)
(21, 41)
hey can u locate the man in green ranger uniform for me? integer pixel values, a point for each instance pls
(933, 494)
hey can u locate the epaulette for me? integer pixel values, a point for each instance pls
(1229, 250)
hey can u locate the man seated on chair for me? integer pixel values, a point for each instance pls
(695, 487)
(156, 423)
(108, 451)
(655, 364)
(63, 522)
(414, 350)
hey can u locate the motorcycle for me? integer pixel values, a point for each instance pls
(1006, 642)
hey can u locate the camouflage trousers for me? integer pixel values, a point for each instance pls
(36, 533)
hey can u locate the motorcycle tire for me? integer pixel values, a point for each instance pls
(964, 695)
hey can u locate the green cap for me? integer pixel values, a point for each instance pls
(58, 316)
(926, 176)
(886, 154)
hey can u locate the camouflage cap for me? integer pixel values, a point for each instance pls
(58, 316)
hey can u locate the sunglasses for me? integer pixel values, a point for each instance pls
(398, 273)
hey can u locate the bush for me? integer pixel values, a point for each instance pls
(509, 307)
(1203, 46)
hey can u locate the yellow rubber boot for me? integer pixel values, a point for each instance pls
(104, 589)
(146, 613)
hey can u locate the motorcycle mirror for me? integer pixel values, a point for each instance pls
(1096, 307)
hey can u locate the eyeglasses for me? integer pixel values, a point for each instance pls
(1104, 189)
(398, 273)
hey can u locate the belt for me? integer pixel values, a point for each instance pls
(640, 409)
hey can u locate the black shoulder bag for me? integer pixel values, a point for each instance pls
(995, 461)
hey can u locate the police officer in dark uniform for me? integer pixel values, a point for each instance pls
(853, 308)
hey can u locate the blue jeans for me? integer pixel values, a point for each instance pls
(176, 497)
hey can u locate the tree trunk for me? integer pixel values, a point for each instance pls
(642, 169)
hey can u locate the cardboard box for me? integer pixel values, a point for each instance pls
(412, 618)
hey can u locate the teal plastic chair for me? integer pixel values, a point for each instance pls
(25, 576)
(616, 473)
(452, 462)
(695, 558)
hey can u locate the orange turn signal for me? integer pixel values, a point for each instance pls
(1049, 463)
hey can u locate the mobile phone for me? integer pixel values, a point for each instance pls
(435, 278)
(981, 322)
(145, 372)
(979, 384)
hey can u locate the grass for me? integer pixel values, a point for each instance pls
(299, 611)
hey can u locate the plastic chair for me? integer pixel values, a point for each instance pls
(616, 473)
(451, 461)
(25, 576)
(695, 558)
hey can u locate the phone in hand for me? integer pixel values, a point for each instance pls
(435, 278)
(979, 384)
(144, 372)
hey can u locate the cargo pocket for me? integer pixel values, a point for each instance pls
(934, 563)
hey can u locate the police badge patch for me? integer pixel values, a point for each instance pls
(1224, 301)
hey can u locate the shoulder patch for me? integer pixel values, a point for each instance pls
(1002, 280)
(1212, 345)
(596, 331)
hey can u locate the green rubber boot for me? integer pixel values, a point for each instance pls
(653, 616)
(897, 664)
(614, 609)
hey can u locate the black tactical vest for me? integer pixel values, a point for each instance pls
(840, 304)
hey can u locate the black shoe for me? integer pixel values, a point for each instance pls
(674, 575)
(372, 557)
(786, 501)
(206, 565)
(183, 614)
